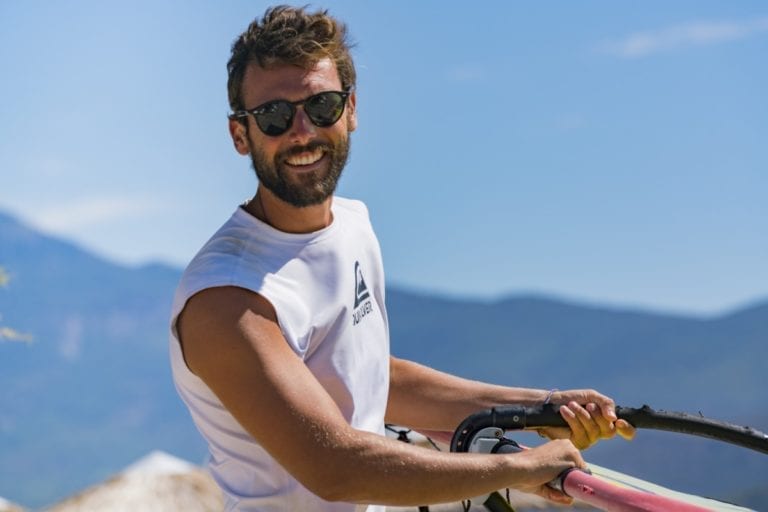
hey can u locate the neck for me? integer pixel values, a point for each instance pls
(285, 217)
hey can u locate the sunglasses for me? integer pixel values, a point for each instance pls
(275, 117)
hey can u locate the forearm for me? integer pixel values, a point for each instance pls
(424, 398)
(372, 469)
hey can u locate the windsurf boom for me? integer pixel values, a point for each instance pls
(547, 415)
(606, 490)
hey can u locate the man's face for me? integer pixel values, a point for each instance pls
(302, 166)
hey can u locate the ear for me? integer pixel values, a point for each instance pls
(352, 111)
(239, 137)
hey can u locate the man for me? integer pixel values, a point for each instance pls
(279, 341)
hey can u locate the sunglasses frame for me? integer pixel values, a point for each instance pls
(241, 115)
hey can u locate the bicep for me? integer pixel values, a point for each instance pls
(232, 341)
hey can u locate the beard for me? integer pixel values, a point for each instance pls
(312, 188)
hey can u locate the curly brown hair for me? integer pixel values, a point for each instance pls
(289, 35)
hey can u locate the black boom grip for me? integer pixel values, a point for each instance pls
(512, 417)
(685, 423)
(547, 415)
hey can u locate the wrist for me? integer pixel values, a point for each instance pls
(516, 468)
(549, 396)
(524, 469)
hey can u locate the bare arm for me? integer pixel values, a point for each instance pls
(426, 399)
(232, 341)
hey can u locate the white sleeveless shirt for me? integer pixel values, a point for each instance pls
(327, 289)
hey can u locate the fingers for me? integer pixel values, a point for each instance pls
(625, 430)
(584, 429)
(554, 495)
(605, 424)
(608, 408)
(606, 405)
(590, 416)
(588, 424)
(607, 419)
(617, 426)
(544, 463)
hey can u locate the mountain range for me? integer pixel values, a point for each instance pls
(92, 391)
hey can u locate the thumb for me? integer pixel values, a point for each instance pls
(608, 408)
(625, 430)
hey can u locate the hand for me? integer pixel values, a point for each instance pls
(545, 463)
(590, 415)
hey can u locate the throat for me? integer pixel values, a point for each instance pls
(287, 218)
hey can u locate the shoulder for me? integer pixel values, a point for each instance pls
(225, 260)
(239, 253)
(227, 306)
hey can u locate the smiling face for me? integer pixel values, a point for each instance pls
(303, 165)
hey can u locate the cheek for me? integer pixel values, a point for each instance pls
(268, 149)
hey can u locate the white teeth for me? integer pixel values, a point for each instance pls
(306, 158)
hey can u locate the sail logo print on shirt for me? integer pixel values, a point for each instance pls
(363, 305)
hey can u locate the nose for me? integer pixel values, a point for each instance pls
(302, 129)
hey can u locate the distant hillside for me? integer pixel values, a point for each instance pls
(93, 391)
(638, 356)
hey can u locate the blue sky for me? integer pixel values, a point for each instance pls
(604, 151)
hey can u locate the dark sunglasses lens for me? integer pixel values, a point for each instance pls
(275, 118)
(325, 109)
